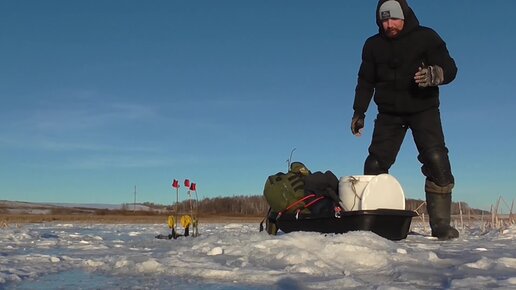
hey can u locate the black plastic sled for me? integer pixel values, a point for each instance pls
(391, 224)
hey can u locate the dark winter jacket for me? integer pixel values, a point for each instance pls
(388, 67)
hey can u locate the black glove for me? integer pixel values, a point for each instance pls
(429, 76)
(357, 123)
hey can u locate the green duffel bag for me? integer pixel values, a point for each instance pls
(284, 192)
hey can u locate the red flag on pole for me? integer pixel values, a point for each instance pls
(187, 183)
(175, 184)
(193, 187)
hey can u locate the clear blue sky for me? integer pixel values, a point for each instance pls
(100, 96)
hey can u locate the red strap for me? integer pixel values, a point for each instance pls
(299, 201)
(314, 201)
(294, 204)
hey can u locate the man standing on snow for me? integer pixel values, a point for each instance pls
(403, 65)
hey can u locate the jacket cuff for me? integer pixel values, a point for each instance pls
(359, 114)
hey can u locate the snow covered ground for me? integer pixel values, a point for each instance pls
(237, 256)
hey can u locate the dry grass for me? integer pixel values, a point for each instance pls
(13, 219)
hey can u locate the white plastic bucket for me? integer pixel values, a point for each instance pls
(370, 192)
(351, 189)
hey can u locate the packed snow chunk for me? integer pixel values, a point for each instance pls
(150, 266)
(233, 226)
(55, 259)
(93, 264)
(121, 264)
(508, 262)
(267, 244)
(482, 264)
(219, 274)
(481, 249)
(509, 233)
(9, 277)
(215, 251)
(134, 234)
(432, 257)
(46, 243)
(316, 254)
(97, 238)
(304, 269)
(19, 237)
(65, 225)
(478, 282)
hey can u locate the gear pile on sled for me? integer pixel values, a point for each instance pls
(187, 220)
(300, 200)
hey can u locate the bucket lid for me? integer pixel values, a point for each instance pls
(383, 191)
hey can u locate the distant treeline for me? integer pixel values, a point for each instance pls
(256, 205)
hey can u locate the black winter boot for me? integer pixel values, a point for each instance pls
(438, 206)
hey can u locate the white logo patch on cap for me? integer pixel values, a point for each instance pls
(385, 15)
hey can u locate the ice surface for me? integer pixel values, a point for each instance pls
(237, 256)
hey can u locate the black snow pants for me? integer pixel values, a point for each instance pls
(389, 132)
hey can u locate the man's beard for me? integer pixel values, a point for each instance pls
(393, 32)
